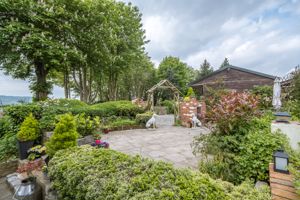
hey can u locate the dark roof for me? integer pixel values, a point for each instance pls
(236, 68)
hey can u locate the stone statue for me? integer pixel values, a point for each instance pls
(151, 121)
(195, 121)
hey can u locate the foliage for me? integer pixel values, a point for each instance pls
(122, 122)
(114, 108)
(243, 150)
(8, 147)
(5, 125)
(36, 152)
(265, 94)
(225, 63)
(18, 113)
(29, 130)
(71, 103)
(30, 166)
(143, 117)
(73, 44)
(170, 105)
(175, 71)
(205, 69)
(296, 85)
(87, 125)
(90, 173)
(234, 111)
(190, 93)
(293, 107)
(294, 168)
(64, 135)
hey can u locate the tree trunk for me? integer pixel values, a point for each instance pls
(66, 84)
(42, 88)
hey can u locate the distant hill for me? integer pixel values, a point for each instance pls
(8, 100)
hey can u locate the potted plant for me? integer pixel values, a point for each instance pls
(29, 132)
(97, 137)
(36, 152)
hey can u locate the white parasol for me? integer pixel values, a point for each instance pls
(276, 94)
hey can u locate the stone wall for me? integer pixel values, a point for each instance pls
(8, 167)
(186, 110)
(282, 187)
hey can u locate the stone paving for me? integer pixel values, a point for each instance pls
(168, 143)
(5, 193)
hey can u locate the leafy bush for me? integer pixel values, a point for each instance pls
(294, 168)
(8, 147)
(143, 117)
(114, 108)
(64, 136)
(122, 122)
(234, 112)
(293, 107)
(86, 125)
(5, 125)
(190, 92)
(69, 103)
(265, 94)
(29, 130)
(18, 113)
(242, 150)
(89, 173)
(170, 106)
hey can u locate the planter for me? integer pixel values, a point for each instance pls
(28, 189)
(24, 147)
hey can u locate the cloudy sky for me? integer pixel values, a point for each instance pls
(255, 34)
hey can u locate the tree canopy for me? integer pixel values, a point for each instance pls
(205, 69)
(176, 71)
(225, 63)
(85, 46)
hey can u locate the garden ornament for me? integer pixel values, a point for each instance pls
(195, 121)
(151, 121)
(276, 94)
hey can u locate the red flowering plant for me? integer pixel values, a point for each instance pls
(234, 112)
(30, 166)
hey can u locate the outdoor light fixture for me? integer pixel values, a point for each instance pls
(281, 161)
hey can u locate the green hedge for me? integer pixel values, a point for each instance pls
(47, 111)
(88, 173)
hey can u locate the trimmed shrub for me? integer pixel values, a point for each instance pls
(18, 113)
(64, 136)
(29, 130)
(143, 118)
(116, 108)
(89, 173)
(85, 125)
(122, 122)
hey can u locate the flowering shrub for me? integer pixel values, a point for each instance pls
(234, 109)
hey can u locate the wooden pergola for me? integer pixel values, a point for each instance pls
(164, 84)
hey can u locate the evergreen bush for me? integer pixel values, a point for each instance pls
(88, 173)
(64, 135)
(29, 130)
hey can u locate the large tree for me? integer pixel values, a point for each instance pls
(205, 69)
(176, 71)
(84, 46)
(31, 34)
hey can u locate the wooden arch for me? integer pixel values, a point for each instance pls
(164, 84)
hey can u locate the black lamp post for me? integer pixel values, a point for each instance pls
(281, 161)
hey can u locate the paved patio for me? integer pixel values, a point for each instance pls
(168, 143)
